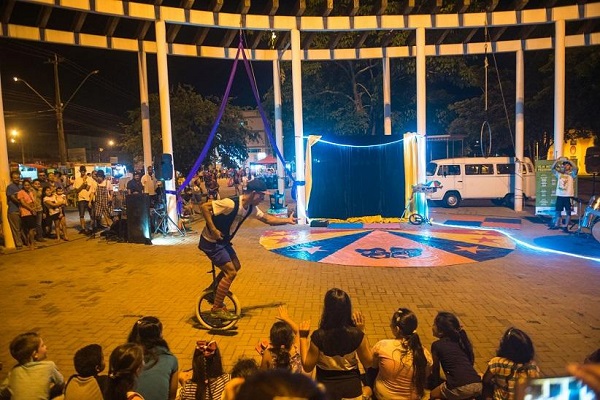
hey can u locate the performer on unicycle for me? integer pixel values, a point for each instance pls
(223, 218)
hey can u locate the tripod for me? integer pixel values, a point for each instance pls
(163, 218)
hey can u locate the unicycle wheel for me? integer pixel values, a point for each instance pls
(204, 306)
(416, 219)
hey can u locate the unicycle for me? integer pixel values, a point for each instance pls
(418, 219)
(204, 306)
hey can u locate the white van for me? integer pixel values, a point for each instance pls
(478, 178)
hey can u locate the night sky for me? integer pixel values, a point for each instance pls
(103, 101)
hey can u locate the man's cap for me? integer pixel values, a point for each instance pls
(256, 185)
(82, 168)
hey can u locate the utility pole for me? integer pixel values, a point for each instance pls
(62, 143)
(58, 106)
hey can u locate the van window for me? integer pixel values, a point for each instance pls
(479, 169)
(506, 169)
(449, 170)
(430, 170)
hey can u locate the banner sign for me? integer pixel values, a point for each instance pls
(545, 188)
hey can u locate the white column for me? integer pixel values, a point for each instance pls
(145, 109)
(9, 243)
(387, 102)
(559, 88)
(165, 113)
(298, 126)
(421, 105)
(519, 129)
(278, 125)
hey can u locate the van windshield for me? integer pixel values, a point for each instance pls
(431, 168)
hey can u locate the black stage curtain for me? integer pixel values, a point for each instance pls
(351, 180)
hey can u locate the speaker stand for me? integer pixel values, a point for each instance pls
(163, 222)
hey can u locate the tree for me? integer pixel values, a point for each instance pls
(192, 118)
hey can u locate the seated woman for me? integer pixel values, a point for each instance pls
(336, 347)
(402, 362)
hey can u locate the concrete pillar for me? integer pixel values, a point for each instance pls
(278, 125)
(145, 109)
(165, 115)
(421, 105)
(519, 129)
(559, 88)
(298, 126)
(387, 102)
(9, 243)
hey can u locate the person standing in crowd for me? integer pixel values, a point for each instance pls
(135, 186)
(215, 241)
(565, 172)
(26, 199)
(150, 184)
(84, 186)
(103, 203)
(14, 214)
(36, 187)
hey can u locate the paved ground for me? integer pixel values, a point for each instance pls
(92, 291)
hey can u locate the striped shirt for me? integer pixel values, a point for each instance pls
(216, 386)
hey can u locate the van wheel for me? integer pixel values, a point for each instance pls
(451, 200)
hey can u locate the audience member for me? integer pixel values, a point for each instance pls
(14, 214)
(513, 361)
(453, 352)
(103, 201)
(124, 366)
(53, 203)
(33, 377)
(86, 383)
(243, 368)
(403, 364)
(206, 380)
(36, 187)
(84, 186)
(334, 347)
(158, 379)
(150, 184)
(279, 384)
(283, 350)
(135, 186)
(26, 199)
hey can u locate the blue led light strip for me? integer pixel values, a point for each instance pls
(522, 243)
(358, 147)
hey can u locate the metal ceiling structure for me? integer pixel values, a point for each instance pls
(342, 29)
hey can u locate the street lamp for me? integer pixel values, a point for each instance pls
(14, 133)
(58, 108)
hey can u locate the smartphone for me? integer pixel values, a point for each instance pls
(550, 388)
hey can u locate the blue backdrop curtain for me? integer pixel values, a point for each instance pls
(357, 177)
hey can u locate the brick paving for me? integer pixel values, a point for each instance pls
(92, 291)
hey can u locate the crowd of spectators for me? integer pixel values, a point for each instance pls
(401, 367)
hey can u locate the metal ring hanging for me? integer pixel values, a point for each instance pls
(489, 147)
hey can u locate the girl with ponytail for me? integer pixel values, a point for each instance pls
(403, 363)
(125, 364)
(283, 351)
(453, 352)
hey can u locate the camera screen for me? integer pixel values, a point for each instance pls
(559, 388)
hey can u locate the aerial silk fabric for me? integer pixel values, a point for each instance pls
(312, 140)
(417, 201)
(355, 176)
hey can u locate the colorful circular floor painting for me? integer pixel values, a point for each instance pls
(402, 247)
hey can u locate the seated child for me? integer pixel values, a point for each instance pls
(86, 383)
(33, 377)
(207, 379)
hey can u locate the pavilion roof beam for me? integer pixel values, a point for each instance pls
(335, 39)
(462, 6)
(360, 40)
(272, 7)
(387, 38)
(44, 16)
(142, 29)
(216, 5)
(258, 35)
(407, 6)
(354, 7)
(174, 29)
(381, 7)
(588, 26)
(111, 26)
(299, 8)
(309, 36)
(200, 37)
(526, 31)
(283, 40)
(242, 9)
(495, 37)
(7, 10)
(78, 21)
